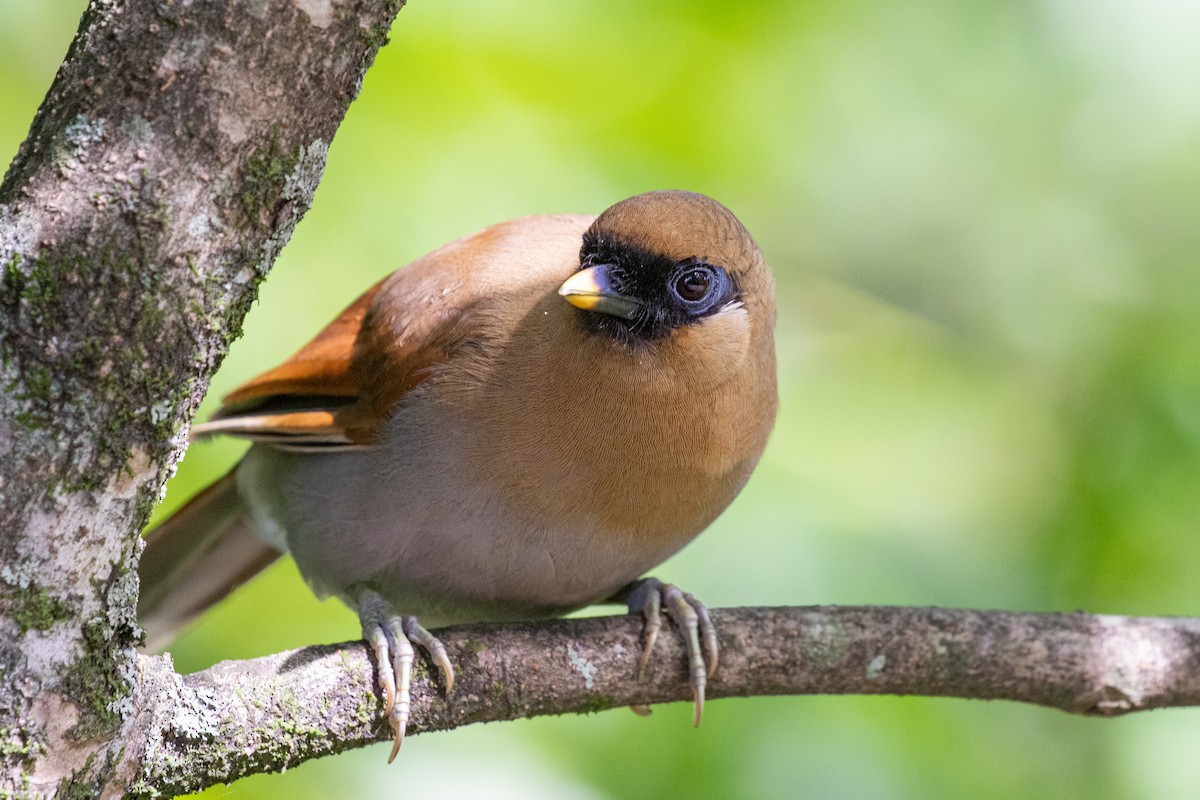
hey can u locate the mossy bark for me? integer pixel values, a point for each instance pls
(178, 147)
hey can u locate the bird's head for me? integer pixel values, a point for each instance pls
(666, 262)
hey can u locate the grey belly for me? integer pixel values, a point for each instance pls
(447, 553)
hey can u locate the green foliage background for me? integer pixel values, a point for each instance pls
(983, 219)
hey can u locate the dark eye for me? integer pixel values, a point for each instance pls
(694, 284)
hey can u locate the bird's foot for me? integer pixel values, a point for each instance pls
(392, 637)
(649, 597)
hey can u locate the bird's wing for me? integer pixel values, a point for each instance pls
(335, 392)
(338, 390)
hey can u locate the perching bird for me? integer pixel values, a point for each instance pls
(517, 425)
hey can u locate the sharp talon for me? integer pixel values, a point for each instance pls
(392, 637)
(383, 664)
(651, 597)
(651, 612)
(432, 645)
(396, 746)
(399, 722)
(402, 663)
(443, 661)
(708, 633)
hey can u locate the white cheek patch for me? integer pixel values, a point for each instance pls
(737, 308)
(716, 347)
(730, 323)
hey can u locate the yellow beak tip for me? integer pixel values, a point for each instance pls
(582, 290)
(587, 302)
(589, 290)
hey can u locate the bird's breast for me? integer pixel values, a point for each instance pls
(538, 471)
(643, 446)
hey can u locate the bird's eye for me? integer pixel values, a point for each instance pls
(693, 285)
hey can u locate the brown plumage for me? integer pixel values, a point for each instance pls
(516, 425)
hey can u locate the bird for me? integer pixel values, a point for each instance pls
(517, 425)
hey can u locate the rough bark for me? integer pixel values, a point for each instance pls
(177, 148)
(271, 713)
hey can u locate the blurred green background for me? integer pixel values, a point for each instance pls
(984, 220)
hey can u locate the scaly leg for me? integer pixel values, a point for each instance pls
(392, 637)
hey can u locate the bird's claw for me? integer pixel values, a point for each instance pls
(392, 638)
(648, 598)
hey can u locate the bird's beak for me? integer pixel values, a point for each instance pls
(591, 289)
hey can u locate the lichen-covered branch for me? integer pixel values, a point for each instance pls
(266, 714)
(176, 150)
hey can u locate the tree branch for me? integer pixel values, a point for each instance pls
(176, 150)
(267, 714)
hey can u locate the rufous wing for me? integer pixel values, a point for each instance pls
(334, 392)
(339, 389)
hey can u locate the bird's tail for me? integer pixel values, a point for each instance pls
(197, 556)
